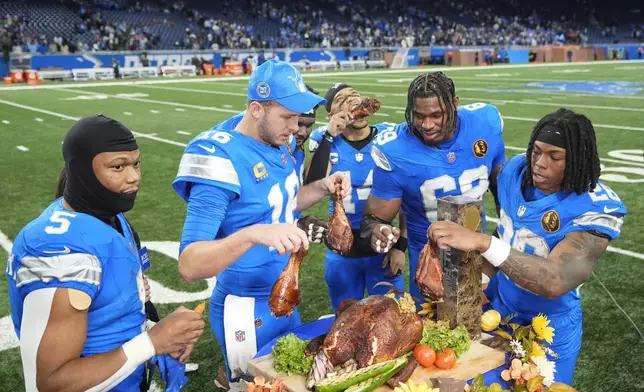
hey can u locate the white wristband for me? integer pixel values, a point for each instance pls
(139, 349)
(498, 252)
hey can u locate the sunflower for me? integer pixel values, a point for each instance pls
(540, 326)
(537, 350)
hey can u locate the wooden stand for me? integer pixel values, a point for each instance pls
(462, 271)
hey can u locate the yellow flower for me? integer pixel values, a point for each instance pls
(426, 308)
(537, 350)
(541, 328)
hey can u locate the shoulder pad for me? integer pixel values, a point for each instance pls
(209, 159)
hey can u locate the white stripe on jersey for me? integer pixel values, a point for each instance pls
(77, 267)
(208, 167)
(239, 331)
(35, 316)
(598, 219)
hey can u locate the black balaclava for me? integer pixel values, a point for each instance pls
(87, 138)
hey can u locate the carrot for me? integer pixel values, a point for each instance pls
(201, 307)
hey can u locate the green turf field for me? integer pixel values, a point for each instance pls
(168, 113)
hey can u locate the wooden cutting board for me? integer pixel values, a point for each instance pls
(477, 360)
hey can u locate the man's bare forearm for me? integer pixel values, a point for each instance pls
(205, 259)
(568, 266)
(82, 374)
(309, 194)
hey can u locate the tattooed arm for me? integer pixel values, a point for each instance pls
(569, 264)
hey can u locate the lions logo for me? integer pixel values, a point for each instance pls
(297, 79)
(550, 221)
(263, 90)
(480, 148)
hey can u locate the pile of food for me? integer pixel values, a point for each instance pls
(376, 341)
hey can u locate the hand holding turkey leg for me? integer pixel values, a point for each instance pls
(383, 237)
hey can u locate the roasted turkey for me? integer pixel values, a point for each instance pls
(366, 332)
(285, 294)
(366, 108)
(340, 237)
(429, 274)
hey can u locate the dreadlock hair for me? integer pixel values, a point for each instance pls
(582, 161)
(432, 84)
(60, 187)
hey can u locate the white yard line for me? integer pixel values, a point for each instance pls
(192, 90)
(22, 148)
(618, 307)
(496, 101)
(308, 75)
(534, 120)
(183, 133)
(621, 162)
(66, 117)
(178, 106)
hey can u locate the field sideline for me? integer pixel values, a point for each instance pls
(167, 113)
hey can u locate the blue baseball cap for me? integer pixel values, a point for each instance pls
(279, 81)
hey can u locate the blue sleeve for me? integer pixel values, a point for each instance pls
(385, 179)
(316, 138)
(39, 262)
(207, 207)
(499, 158)
(385, 185)
(208, 159)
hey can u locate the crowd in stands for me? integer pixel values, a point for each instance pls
(113, 25)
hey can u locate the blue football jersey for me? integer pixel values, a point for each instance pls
(265, 182)
(67, 249)
(419, 174)
(230, 123)
(536, 227)
(297, 153)
(358, 165)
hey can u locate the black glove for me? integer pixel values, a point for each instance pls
(315, 228)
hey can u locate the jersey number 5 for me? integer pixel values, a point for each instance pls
(60, 218)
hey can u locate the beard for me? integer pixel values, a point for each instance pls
(265, 131)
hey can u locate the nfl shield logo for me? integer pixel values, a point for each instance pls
(451, 157)
(240, 336)
(359, 157)
(521, 211)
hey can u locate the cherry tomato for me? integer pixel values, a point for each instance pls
(424, 355)
(445, 359)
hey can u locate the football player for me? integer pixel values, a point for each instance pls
(242, 189)
(442, 149)
(344, 146)
(75, 283)
(556, 221)
(315, 228)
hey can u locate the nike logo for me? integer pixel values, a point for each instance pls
(210, 149)
(64, 250)
(609, 210)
